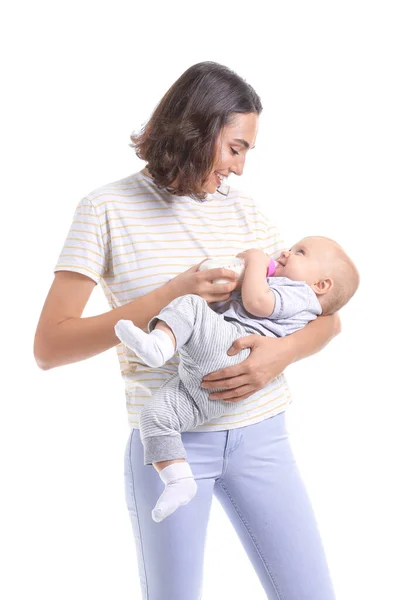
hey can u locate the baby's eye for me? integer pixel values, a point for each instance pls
(300, 252)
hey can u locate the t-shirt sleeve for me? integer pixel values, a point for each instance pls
(293, 299)
(84, 250)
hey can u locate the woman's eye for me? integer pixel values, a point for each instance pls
(234, 151)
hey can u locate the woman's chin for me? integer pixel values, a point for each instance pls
(211, 188)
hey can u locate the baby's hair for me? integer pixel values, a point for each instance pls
(346, 280)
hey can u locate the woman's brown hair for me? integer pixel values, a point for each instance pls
(178, 141)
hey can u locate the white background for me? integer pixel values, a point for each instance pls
(333, 157)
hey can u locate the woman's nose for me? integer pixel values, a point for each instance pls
(237, 166)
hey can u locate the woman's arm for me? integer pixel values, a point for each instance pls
(313, 337)
(64, 337)
(268, 358)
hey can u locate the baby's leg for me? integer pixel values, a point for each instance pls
(169, 412)
(169, 330)
(155, 349)
(180, 488)
(203, 336)
(162, 326)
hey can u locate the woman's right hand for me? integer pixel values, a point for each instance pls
(201, 283)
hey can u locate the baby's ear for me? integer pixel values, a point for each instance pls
(323, 286)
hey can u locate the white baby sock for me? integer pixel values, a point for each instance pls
(180, 488)
(153, 348)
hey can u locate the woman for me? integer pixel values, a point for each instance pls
(143, 238)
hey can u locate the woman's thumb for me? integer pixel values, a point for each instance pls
(241, 343)
(197, 267)
(194, 268)
(235, 348)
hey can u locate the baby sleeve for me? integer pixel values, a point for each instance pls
(84, 250)
(293, 300)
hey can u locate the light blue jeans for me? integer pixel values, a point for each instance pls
(252, 472)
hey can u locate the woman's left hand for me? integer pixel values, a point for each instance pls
(268, 358)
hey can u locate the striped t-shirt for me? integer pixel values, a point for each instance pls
(132, 237)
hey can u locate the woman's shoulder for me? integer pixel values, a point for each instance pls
(241, 196)
(250, 201)
(249, 204)
(121, 187)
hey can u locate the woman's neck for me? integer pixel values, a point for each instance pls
(146, 172)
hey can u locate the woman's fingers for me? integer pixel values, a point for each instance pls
(234, 395)
(231, 372)
(226, 384)
(220, 273)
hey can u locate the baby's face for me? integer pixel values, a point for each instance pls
(308, 260)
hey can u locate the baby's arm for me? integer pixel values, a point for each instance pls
(257, 297)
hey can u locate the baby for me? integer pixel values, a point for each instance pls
(315, 277)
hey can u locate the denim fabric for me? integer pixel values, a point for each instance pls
(252, 472)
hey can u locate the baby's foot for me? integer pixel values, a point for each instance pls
(153, 348)
(180, 488)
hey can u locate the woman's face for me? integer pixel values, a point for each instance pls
(231, 148)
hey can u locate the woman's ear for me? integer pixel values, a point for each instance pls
(322, 286)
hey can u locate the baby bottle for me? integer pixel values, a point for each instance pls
(234, 264)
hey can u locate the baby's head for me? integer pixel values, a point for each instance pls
(325, 267)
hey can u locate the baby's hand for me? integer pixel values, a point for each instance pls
(254, 255)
